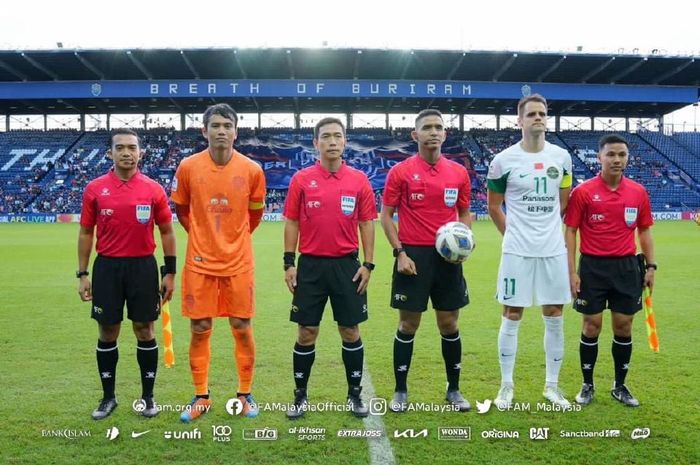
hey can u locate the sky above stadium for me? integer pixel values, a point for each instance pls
(594, 25)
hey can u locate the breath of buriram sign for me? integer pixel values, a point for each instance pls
(75, 217)
(344, 88)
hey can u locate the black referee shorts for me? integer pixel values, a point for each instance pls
(320, 278)
(117, 280)
(609, 282)
(437, 279)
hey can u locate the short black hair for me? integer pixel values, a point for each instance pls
(427, 112)
(530, 98)
(221, 109)
(123, 132)
(328, 120)
(612, 139)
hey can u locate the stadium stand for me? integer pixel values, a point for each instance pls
(45, 172)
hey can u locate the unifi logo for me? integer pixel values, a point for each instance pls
(194, 434)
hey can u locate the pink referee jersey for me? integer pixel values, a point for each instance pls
(124, 212)
(607, 218)
(329, 207)
(426, 196)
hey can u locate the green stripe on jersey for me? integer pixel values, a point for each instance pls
(498, 185)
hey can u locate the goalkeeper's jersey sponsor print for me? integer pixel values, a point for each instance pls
(530, 183)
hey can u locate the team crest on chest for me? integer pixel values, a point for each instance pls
(630, 215)
(143, 213)
(347, 204)
(450, 197)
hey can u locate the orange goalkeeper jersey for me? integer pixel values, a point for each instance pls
(219, 197)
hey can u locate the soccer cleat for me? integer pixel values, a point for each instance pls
(556, 396)
(250, 407)
(456, 399)
(197, 407)
(301, 403)
(105, 408)
(399, 403)
(355, 403)
(151, 408)
(504, 398)
(623, 395)
(585, 396)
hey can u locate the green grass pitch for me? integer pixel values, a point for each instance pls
(49, 380)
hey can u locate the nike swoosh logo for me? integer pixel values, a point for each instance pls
(523, 175)
(134, 434)
(507, 298)
(558, 359)
(504, 355)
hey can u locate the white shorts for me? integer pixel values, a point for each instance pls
(522, 278)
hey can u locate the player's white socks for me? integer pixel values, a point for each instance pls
(507, 348)
(553, 347)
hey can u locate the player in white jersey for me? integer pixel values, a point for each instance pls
(533, 179)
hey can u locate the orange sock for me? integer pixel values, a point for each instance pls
(200, 354)
(245, 357)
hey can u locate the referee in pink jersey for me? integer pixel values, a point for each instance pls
(124, 205)
(426, 190)
(606, 211)
(326, 205)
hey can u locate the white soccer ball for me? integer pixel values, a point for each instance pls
(454, 242)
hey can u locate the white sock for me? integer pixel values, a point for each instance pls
(507, 348)
(553, 347)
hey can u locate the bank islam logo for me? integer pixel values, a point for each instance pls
(234, 406)
(112, 433)
(640, 433)
(483, 407)
(539, 433)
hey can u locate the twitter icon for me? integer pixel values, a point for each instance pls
(483, 407)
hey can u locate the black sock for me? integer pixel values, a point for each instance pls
(353, 356)
(107, 358)
(403, 352)
(302, 360)
(588, 354)
(452, 354)
(622, 353)
(147, 356)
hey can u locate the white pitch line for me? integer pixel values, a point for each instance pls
(380, 451)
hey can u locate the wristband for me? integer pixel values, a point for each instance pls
(369, 265)
(289, 258)
(654, 266)
(170, 266)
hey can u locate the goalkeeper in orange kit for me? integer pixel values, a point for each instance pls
(219, 197)
(606, 211)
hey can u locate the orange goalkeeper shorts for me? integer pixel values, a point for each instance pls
(208, 296)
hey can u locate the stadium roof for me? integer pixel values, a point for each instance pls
(342, 64)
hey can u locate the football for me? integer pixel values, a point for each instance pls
(454, 242)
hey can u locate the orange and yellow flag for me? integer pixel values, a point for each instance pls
(168, 353)
(650, 319)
